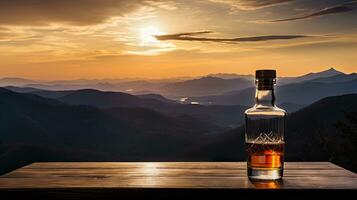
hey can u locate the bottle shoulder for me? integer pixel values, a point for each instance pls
(265, 110)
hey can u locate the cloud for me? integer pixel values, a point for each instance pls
(76, 12)
(190, 36)
(5, 35)
(347, 7)
(251, 4)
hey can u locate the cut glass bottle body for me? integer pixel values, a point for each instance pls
(265, 127)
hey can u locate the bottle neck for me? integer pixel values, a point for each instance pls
(264, 94)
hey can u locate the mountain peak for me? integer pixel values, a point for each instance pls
(333, 70)
(322, 74)
(330, 72)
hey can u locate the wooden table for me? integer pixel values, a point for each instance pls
(169, 179)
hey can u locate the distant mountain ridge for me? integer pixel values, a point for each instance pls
(323, 74)
(305, 92)
(212, 84)
(205, 85)
(291, 97)
(231, 76)
(337, 78)
(14, 81)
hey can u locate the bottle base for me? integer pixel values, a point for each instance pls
(265, 174)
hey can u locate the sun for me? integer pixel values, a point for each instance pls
(147, 35)
(147, 44)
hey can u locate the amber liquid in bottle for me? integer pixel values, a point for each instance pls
(265, 156)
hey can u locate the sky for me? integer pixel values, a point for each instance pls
(93, 39)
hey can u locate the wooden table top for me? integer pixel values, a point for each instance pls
(194, 175)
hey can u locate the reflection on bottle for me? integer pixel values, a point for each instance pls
(267, 184)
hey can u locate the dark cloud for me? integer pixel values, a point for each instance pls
(76, 12)
(347, 7)
(251, 4)
(189, 36)
(180, 35)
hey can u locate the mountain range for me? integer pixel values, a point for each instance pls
(38, 124)
(203, 86)
(220, 115)
(213, 84)
(224, 110)
(284, 80)
(301, 93)
(310, 76)
(35, 128)
(48, 129)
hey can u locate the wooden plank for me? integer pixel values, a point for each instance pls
(26, 173)
(195, 175)
(167, 169)
(185, 165)
(170, 165)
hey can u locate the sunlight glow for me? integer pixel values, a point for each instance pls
(147, 44)
(147, 36)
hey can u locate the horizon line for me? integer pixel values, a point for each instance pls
(164, 78)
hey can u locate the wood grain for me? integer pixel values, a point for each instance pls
(169, 176)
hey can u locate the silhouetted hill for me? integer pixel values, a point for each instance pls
(310, 76)
(291, 107)
(107, 99)
(112, 85)
(31, 124)
(315, 133)
(54, 86)
(298, 93)
(336, 79)
(157, 97)
(205, 86)
(54, 94)
(43, 93)
(309, 92)
(39, 129)
(151, 122)
(225, 116)
(22, 89)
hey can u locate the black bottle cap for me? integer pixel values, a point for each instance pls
(265, 73)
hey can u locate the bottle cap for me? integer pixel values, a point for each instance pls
(265, 73)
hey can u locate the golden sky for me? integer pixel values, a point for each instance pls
(51, 39)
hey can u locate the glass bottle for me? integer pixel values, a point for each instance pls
(264, 134)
